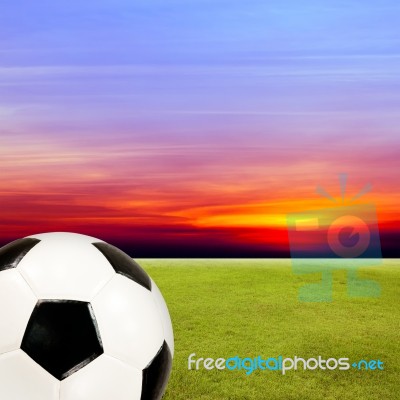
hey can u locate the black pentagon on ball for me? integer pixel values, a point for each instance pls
(156, 374)
(12, 253)
(62, 336)
(123, 264)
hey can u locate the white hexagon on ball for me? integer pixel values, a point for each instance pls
(80, 321)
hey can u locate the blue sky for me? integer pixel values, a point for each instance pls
(46, 32)
(198, 56)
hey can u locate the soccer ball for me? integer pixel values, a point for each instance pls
(80, 320)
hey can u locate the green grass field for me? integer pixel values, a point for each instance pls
(224, 308)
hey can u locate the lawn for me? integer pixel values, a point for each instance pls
(224, 308)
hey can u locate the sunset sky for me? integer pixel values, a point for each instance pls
(192, 128)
